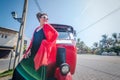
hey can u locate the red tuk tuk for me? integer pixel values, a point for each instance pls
(66, 52)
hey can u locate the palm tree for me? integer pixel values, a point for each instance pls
(95, 50)
(104, 36)
(114, 35)
(78, 40)
(119, 39)
(104, 41)
(116, 46)
(95, 44)
(81, 46)
(110, 42)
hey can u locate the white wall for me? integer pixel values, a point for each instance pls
(10, 40)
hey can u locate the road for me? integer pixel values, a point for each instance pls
(4, 64)
(95, 67)
(90, 67)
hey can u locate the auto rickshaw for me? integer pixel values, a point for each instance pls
(66, 52)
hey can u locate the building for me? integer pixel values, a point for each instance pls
(8, 41)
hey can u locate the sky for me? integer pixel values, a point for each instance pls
(88, 17)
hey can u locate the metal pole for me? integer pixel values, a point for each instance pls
(20, 35)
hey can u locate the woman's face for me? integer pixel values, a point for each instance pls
(43, 19)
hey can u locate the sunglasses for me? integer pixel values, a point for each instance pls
(44, 17)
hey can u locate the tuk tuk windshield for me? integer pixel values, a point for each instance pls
(65, 35)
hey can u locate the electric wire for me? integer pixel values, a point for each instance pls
(91, 25)
(38, 6)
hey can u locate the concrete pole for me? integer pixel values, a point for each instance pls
(21, 32)
(23, 28)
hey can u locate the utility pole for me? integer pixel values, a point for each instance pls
(20, 42)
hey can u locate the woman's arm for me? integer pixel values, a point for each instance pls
(26, 54)
(50, 33)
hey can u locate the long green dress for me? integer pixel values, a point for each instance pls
(25, 69)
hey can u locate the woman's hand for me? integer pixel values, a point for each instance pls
(26, 55)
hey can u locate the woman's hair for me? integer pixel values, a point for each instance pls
(38, 15)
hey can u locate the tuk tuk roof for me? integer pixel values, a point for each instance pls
(63, 27)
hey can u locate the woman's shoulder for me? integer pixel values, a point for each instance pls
(48, 26)
(37, 29)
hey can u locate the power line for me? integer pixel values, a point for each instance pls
(85, 8)
(100, 19)
(38, 6)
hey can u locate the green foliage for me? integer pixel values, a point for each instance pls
(108, 44)
(6, 73)
(82, 48)
(116, 49)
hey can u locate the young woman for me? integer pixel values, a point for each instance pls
(40, 53)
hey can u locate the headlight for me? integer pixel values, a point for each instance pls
(64, 68)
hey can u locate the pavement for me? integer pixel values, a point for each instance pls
(4, 64)
(95, 67)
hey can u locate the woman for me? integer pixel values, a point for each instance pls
(40, 53)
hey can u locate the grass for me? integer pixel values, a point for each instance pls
(6, 73)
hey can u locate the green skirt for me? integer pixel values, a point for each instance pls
(25, 71)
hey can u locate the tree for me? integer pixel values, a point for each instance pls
(95, 44)
(114, 35)
(82, 48)
(103, 42)
(110, 41)
(95, 49)
(111, 44)
(78, 40)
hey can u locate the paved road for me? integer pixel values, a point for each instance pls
(4, 64)
(94, 67)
